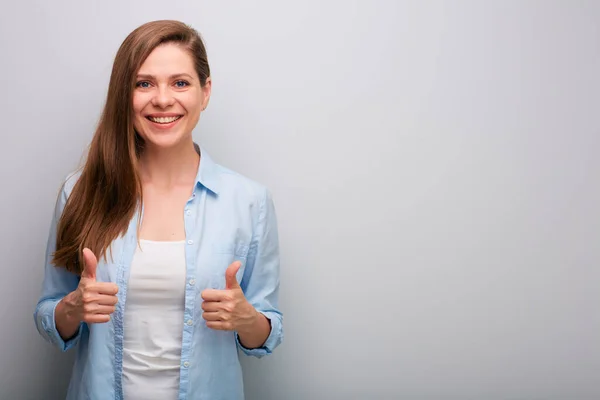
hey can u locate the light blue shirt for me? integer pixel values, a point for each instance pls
(227, 218)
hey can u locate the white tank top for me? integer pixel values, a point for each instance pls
(153, 321)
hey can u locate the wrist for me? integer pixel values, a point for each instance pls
(254, 318)
(68, 310)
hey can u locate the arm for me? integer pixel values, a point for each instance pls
(260, 285)
(255, 335)
(66, 324)
(50, 317)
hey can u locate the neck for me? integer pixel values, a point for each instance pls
(167, 167)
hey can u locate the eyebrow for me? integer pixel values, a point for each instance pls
(150, 77)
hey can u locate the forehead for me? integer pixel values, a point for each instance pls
(167, 59)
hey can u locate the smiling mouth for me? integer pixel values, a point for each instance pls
(164, 120)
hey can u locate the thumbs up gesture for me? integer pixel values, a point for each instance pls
(228, 309)
(92, 301)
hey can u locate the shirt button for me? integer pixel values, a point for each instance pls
(188, 212)
(186, 364)
(192, 282)
(190, 322)
(190, 242)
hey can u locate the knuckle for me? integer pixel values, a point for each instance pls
(88, 309)
(87, 297)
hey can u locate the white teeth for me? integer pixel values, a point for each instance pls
(163, 120)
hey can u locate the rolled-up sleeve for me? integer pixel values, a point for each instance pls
(46, 325)
(57, 283)
(260, 281)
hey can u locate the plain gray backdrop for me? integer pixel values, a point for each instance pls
(434, 164)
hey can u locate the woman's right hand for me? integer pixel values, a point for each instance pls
(92, 301)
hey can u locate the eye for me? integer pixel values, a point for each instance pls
(181, 84)
(143, 84)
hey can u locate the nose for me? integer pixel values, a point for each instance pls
(162, 98)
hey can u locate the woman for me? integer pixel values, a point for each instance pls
(160, 263)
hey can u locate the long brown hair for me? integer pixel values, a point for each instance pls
(107, 193)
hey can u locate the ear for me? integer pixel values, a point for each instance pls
(206, 89)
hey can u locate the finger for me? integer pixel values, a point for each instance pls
(107, 288)
(90, 309)
(106, 310)
(89, 264)
(220, 325)
(96, 318)
(212, 316)
(211, 306)
(106, 300)
(230, 278)
(92, 297)
(215, 295)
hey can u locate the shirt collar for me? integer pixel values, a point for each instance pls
(207, 175)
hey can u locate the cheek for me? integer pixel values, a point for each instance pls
(192, 106)
(138, 104)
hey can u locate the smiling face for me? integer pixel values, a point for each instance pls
(168, 97)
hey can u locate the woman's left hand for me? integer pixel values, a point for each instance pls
(228, 309)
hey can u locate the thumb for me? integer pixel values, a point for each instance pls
(230, 279)
(89, 264)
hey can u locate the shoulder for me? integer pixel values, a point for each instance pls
(64, 191)
(69, 182)
(233, 183)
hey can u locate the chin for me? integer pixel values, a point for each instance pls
(167, 142)
(163, 140)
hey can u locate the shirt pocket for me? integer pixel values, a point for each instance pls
(221, 256)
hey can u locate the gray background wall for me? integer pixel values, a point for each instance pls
(434, 166)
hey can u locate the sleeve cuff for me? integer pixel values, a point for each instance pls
(46, 324)
(273, 340)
